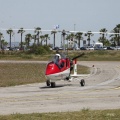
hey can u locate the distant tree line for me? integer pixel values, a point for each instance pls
(113, 41)
(38, 38)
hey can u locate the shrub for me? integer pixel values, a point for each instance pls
(40, 50)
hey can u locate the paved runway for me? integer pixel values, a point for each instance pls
(102, 91)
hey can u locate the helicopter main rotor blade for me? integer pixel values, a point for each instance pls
(78, 56)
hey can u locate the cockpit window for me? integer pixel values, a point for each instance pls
(56, 59)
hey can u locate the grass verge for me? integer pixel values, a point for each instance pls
(96, 55)
(84, 114)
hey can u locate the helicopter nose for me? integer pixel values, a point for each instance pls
(52, 69)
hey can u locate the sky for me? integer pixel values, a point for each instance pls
(80, 15)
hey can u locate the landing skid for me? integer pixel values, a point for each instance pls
(82, 81)
(53, 85)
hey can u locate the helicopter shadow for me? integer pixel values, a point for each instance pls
(48, 87)
(57, 86)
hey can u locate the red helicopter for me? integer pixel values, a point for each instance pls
(60, 69)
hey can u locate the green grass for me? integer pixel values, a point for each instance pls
(12, 74)
(84, 114)
(21, 73)
(96, 55)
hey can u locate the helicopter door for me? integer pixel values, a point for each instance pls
(63, 64)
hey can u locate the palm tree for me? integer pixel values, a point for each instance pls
(70, 38)
(103, 39)
(73, 39)
(114, 37)
(63, 34)
(53, 32)
(28, 37)
(37, 31)
(1, 35)
(46, 38)
(21, 31)
(3, 43)
(42, 37)
(89, 34)
(10, 32)
(79, 37)
(34, 38)
(118, 31)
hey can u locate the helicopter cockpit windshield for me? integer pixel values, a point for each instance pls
(58, 57)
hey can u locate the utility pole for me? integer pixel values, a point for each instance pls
(74, 36)
(74, 26)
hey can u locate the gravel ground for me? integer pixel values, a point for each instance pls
(102, 91)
